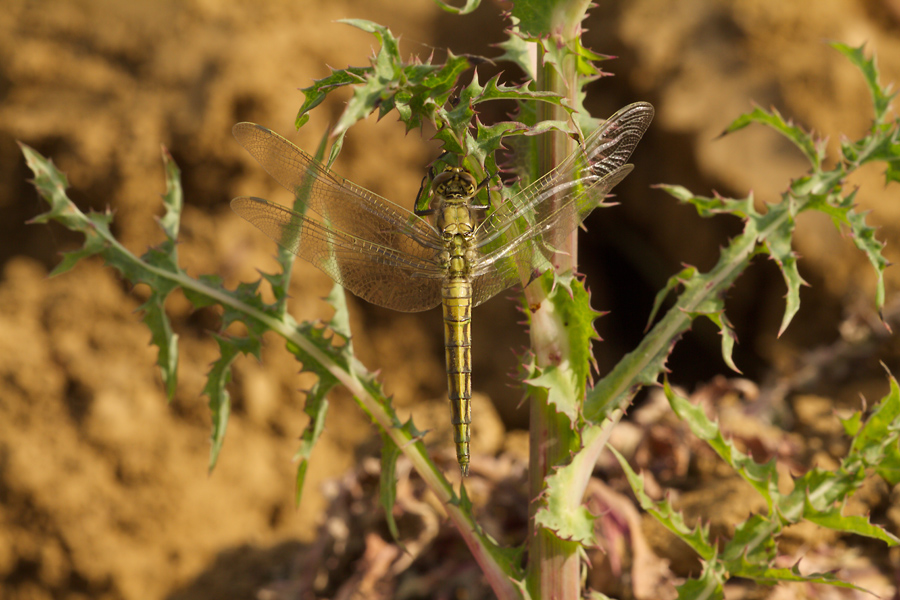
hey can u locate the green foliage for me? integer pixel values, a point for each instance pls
(569, 302)
(426, 93)
(819, 495)
(423, 93)
(388, 488)
(769, 232)
(561, 511)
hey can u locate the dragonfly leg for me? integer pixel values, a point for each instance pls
(429, 177)
(425, 211)
(480, 187)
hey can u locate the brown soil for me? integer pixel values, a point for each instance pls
(103, 484)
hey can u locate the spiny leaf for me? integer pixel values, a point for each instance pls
(819, 489)
(417, 91)
(340, 320)
(92, 245)
(833, 518)
(642, 369)
(889, 467)
(470, 6)
(155, 268)
(881, 98)
(51, 184)
(562, 511)
(533, 21)
(778, 245)
(810, 148)
(700, 295)
(543, 18)
(516, 50)
(568, 303)
(675, 281)
(316, 407)
(162, 336)
(494, 90)
(880, 427)
(572, 303)
(864, 238)
(158, 269)
(815, 493)
(763, 477)
(316, 93)
(488, 139)
(389, 43)
(768, 575)
(219, 399)
(377, 87)
(842, 211)
(173, 199)
(322, 339)
(709, 586)
(586, 63)
(387, 495)
(440, 80)
(875, 441)
(663, 511)
(165, 256)
(459, 117)
(711, 306)
(708, 207)
(561, 389)
(726, 332)
(752, 543)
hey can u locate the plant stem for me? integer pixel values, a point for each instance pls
(553, 564)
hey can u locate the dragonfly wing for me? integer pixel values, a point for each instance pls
(529, 253)
(516, 240)
(603, 153)
(494, 273)
(379, 274)
(340, 203)
(381, 252)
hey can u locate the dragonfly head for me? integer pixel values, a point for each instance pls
(455, 182)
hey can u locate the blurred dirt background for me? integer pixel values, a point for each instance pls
(104, 491)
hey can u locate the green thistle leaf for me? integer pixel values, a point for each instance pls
(162, 336)
(709, 586)
(470, 6)
(778, 245)
(316, 93)
(663, 511)
(390, 452)
(762, 477)
(810, 148)
(881, 97)
(173, 200)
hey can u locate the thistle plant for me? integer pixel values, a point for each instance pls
(571, 420)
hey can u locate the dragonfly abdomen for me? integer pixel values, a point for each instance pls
(457, 302)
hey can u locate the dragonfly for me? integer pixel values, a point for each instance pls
(454, 252)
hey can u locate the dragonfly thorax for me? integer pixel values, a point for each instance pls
(455, 219)
(454, 183)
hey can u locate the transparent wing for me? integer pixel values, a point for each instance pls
(381, 252)
(517, 239)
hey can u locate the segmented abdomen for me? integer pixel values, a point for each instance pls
(457, 303)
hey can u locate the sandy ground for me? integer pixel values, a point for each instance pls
(104, 491)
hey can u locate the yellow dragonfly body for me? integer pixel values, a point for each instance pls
(399, 259)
